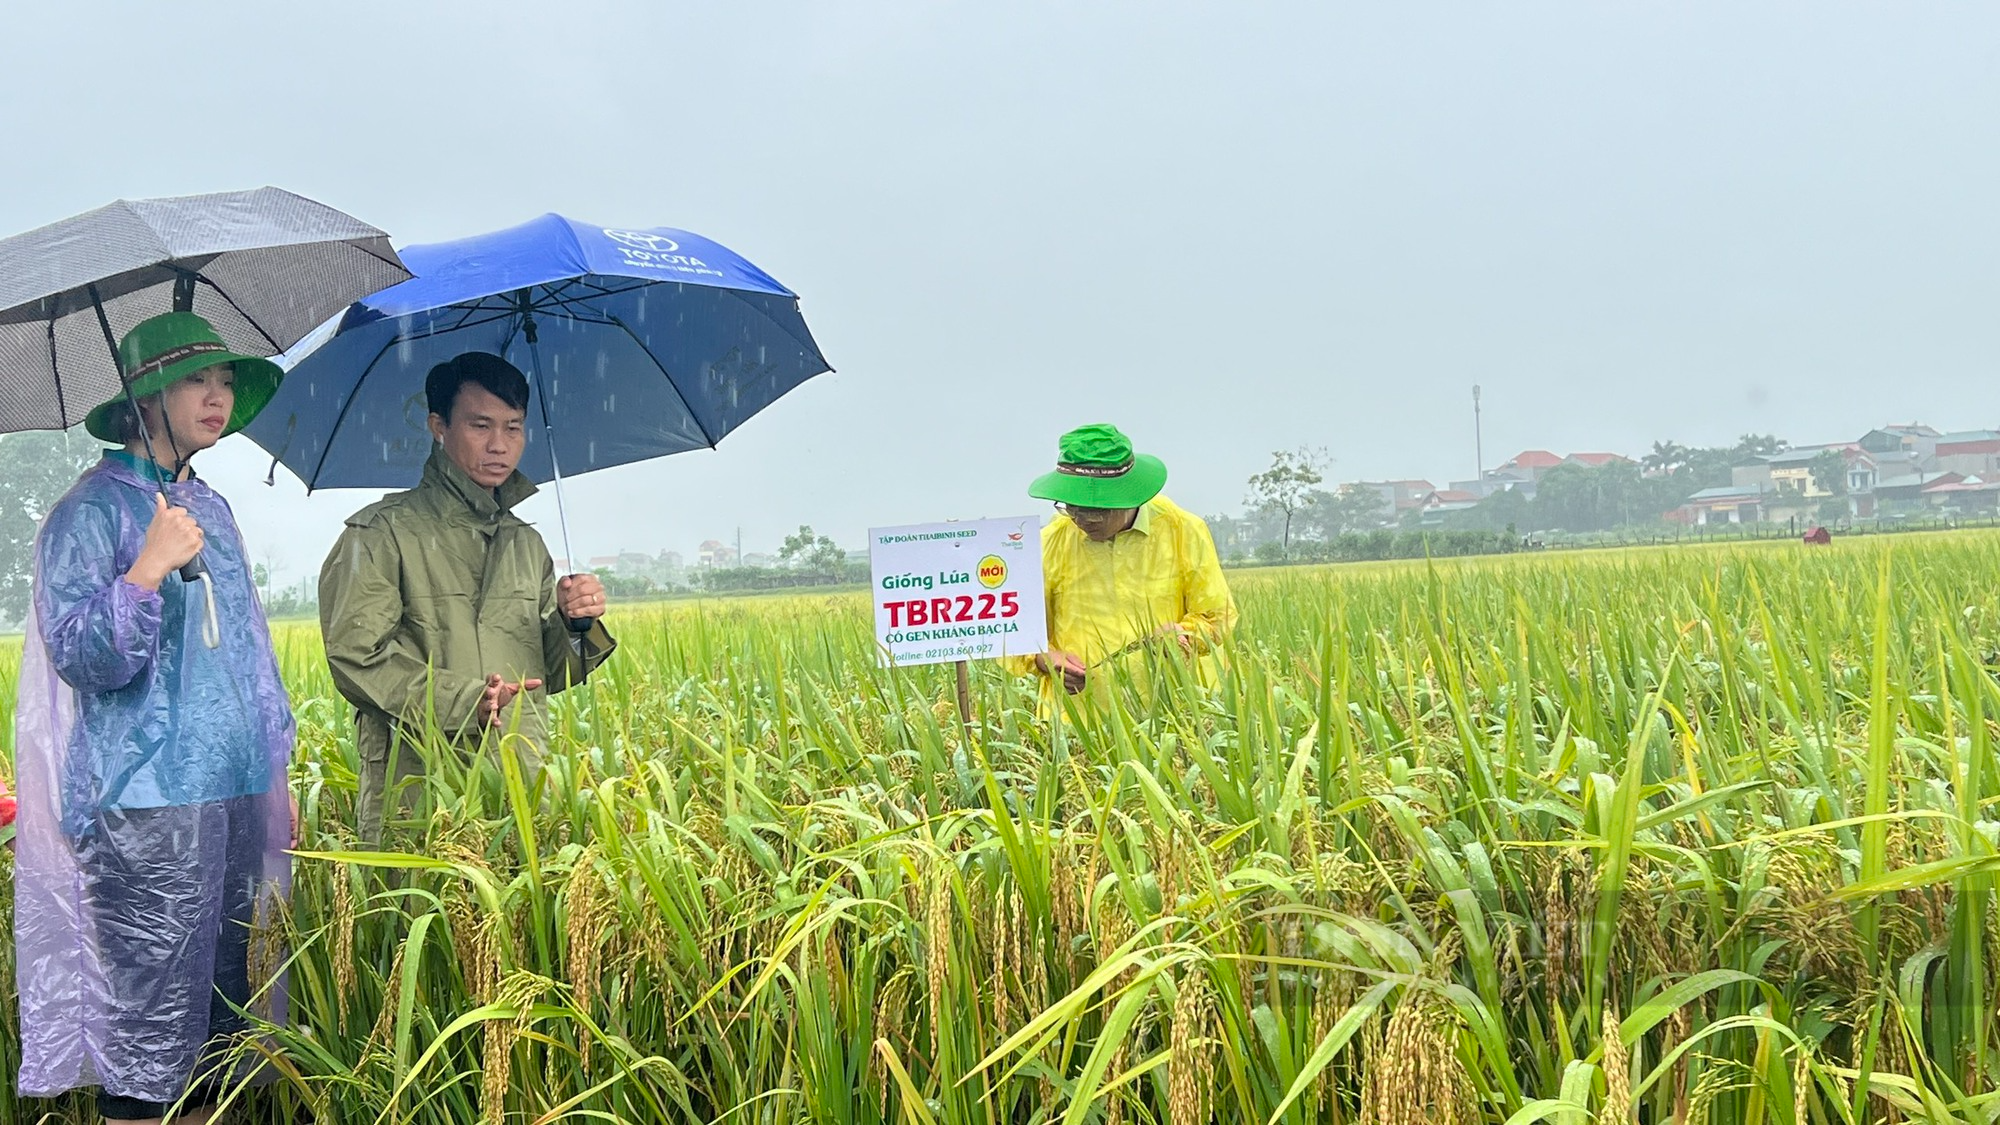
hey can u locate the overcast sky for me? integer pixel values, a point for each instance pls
(1227, 228)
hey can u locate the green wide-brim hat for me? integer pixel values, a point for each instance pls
(1096, 468)
(168, 348)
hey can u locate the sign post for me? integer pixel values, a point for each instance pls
(956, 592)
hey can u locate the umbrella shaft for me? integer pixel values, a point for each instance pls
(194, 568)
(576, 624)
(131, 400)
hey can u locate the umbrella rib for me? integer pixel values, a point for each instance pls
(555, 292)
(356, 243)
(468, 311)
(334, 430)
(608, 291)
(55, 372)
(247, 318)
(669, 377)
(465, 310)
(559, 299)
(808, 343)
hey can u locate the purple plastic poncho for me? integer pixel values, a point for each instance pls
(154, 811)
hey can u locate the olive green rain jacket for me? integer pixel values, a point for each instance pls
(424, 595)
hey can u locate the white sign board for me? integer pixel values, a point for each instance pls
(958, 591)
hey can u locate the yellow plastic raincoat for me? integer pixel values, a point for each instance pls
(1106, 599)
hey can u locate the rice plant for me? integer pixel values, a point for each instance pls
(1695, 834)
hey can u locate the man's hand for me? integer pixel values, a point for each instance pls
(499, 695)
(580, 596)
(1068, 664)
(1180, 635)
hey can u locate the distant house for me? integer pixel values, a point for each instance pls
(604, 562)
(1530, 462)
(1873, 477)
(1906, 488)
(1972, 452)
(1595, 460)
(1724, 504)
(1396, 496)
(713, 553)
(1449, 500)
(1967, 494)
(1791, 471)
(1911, 438)
(1519, 473)
(1787, 477)
(1495, 480)
(1864, 471)
(1523, 471)
(1751, 474)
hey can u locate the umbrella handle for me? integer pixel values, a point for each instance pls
(211, 626)
(580, 625)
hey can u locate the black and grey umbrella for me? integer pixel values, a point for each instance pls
(264, 267)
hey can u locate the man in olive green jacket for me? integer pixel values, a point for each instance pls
(440, 606)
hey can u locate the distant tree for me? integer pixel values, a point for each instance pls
(1492, 513)
(1576, 498)
(1287, 486)
(1707, 468)
(623, 585)
(1350, 507)
(1833, 509)
(1695, 468)
(1227, 533)
(1503, 509)
(817, 555)
(36, 468)
(1752, 446)
(1829, 472)
(301, 600)
(1667, 458)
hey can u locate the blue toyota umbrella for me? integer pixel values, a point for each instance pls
(637, 344)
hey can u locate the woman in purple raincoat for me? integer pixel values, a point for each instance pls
(151, 756)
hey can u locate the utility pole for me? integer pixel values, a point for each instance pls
(1478, 443)
(739, 546)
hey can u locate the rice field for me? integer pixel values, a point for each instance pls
(1690, 835)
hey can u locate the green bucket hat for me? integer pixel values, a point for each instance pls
(168, 348)
(1096, 468)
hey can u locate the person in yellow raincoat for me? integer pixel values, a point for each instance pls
(1125, 569)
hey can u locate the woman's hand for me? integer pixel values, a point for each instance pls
(171, 540)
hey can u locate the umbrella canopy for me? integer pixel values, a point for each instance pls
(264, 267)
(638, 344)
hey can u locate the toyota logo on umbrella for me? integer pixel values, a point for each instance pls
(641, 240)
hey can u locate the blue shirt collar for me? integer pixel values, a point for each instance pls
(141, 467)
